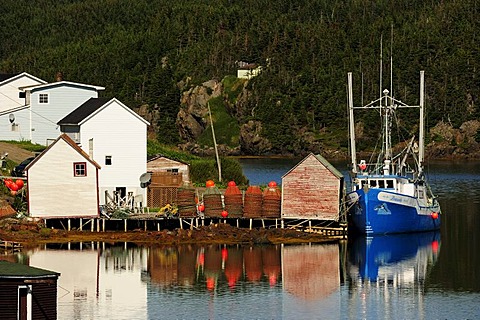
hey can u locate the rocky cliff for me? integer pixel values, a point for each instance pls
(444, 141)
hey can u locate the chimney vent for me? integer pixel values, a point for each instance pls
(59, 76)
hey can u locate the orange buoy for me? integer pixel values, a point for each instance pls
(272, 184)
(210, 183)
(434, 215)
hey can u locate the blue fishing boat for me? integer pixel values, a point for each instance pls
(389, 193)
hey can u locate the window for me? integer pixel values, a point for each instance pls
(22, 94)
(390, 184)
(108, 160)
(15, 127)
(173, 171)
(43, 98)
(80, 169)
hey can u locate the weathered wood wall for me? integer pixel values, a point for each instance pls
(311, 190)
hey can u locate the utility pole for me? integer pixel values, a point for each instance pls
(215, 145)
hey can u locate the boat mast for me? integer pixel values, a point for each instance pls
(351, 126)
(421, 142)
(387, 126)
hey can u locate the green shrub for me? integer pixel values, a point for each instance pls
(45, 232)
(207, 169)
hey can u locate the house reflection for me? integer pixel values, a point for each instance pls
(311, 272)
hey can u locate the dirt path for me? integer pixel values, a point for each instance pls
(15, 153)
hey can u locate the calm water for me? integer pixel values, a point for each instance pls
(418, 276)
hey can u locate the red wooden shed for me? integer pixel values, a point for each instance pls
(312, 190)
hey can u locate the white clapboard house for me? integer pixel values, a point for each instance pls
(115, 137)
(30, 108)
(63, 182)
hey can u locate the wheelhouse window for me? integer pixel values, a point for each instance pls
(80, 169)
(390, 184)
(43, 98)
(108, 160)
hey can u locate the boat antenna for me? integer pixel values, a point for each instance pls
(421, 138)
(391, 63)
(381, 67)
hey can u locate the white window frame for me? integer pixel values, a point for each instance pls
(29, 301)
(43, 98)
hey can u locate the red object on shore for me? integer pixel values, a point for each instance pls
(272, 184)
(19, 183)
(232, 184)
(210, 183)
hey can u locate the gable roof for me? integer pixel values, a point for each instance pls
(8, 77)
(72, 144)
(160, 156)
(323, 161)
(83, 111)
(17, 270)
(61, 83)
(91, 107)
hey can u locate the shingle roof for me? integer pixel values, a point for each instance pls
(86, 109)
(17, 270)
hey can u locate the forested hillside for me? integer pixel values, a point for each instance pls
(142, 50)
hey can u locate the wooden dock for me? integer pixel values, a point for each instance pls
(330, 229)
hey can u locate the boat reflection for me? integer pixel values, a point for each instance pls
(400, 259)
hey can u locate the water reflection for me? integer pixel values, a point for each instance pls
(218, 281)
(398, 260)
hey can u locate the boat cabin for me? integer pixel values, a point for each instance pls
(397, 184)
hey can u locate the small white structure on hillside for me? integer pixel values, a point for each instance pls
(63, 182)
(115, 137)
(44, 104)
(248, 70)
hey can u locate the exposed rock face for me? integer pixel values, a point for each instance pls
(192, 118)
(448, 142)
(251, 141)
(151, 116)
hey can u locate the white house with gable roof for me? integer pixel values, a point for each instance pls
(34, 115)
(63, 182)
(115, 137)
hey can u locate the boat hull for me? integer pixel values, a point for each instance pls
(379, 211)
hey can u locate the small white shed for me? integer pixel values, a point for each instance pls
(62, 182)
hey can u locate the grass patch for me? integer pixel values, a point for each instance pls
(27, 145)
(232, 87)
(154, 148)
(226, 127)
